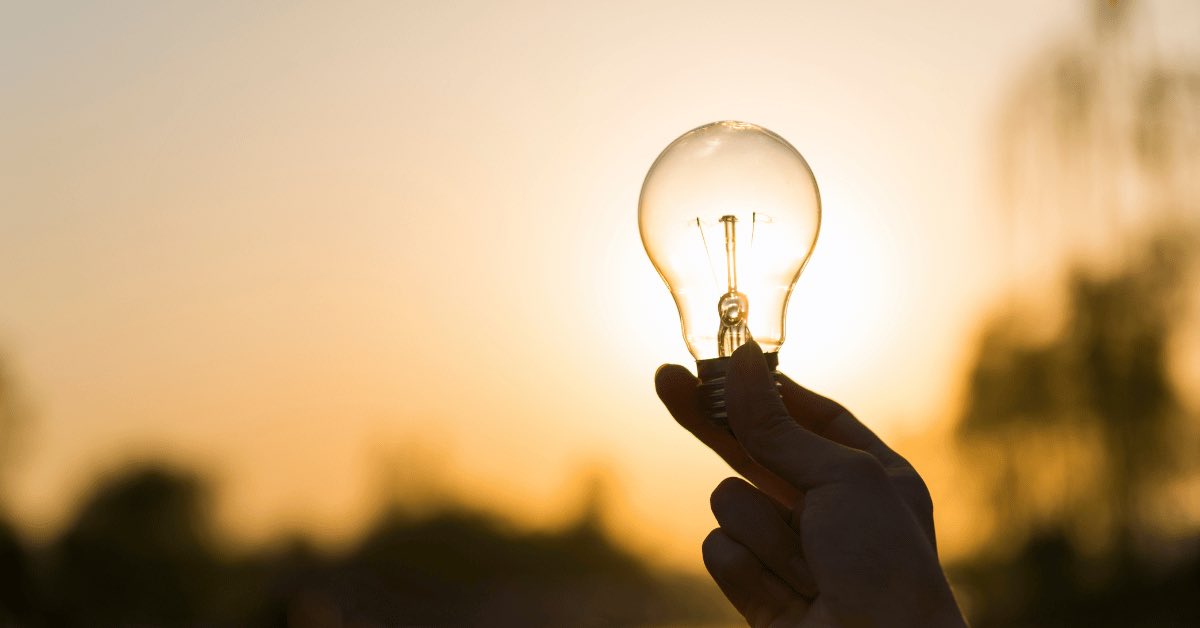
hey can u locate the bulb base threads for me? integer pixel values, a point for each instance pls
(711, 389)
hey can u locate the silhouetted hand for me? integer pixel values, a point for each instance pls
(839, 531)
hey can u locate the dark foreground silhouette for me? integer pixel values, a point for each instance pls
(141, 551)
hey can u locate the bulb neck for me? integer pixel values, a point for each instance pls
(711, 389)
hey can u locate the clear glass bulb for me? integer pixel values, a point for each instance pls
(729, 215)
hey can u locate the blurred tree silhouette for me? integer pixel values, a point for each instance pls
(10, 419)
(14, 421)
(1079, 437)
(1098, 395)
(458, 567)
(142, 550)
(16, 576)
(1096, 147)
(139, 551)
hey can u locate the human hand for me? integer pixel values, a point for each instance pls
(839, 531)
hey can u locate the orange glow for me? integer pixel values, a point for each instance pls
(276, 243)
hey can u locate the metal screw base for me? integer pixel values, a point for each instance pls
(712, 386)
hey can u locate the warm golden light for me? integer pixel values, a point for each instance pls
(270, 243)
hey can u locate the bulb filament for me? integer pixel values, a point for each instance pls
(730, 223)
(733, 307)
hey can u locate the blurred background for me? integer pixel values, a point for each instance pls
(323, 314)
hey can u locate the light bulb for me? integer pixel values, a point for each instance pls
(729, 215)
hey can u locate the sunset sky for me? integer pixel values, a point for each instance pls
(293, 244)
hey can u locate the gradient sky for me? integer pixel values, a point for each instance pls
(292, 242)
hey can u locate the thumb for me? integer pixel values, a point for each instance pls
(774, 439)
